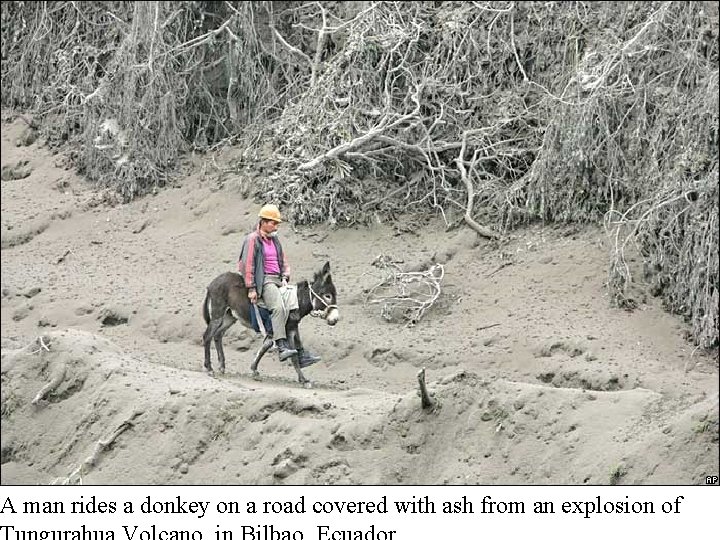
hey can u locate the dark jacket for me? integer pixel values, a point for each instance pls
(251, 263)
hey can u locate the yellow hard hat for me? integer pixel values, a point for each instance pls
(270, 211)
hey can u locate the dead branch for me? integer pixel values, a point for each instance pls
(320, 47)
(514, 48)
(55, 381)
(487, 326)
(500, 267)
(102, 445)
(405, 295)
(42, 344)
(425, 400)
(460, 161)
(386, 124)
(292, 49)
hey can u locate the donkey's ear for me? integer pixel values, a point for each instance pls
(325, 273)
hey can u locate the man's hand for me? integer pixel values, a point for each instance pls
(252, 295)
(284, 281)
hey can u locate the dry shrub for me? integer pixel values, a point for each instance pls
(570, 113)
(135, 85)
(677, 233)
(378, 133)
(500, 112)
(636, 145)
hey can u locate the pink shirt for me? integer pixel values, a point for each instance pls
(271, 257)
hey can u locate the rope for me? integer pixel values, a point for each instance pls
(259, 319)
(319, 312)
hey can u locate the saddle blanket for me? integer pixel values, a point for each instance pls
(289, 298)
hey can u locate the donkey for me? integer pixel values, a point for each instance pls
(227, 301)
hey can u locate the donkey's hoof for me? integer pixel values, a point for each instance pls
(210, 372)
(307, 384)
(306, 362)
(255, 374)
(221, 371)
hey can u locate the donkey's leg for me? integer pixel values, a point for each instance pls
(293, 336)
(305, 358)
(212, 327)
(267, 344)
(296, 365)
(226, 322)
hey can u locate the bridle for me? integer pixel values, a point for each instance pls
(322, 313)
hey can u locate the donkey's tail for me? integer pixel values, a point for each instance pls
(206, 308)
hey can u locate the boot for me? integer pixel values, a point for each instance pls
(306, 358)
(284, 350)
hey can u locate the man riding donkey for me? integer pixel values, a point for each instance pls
(265, 269)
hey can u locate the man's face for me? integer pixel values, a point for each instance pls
(268, 227)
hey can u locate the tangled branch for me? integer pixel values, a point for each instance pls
(101, 446)
(486, 113)
(405, 295)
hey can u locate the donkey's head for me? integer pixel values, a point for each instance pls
(324, 296)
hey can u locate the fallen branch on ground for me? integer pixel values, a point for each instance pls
(91, 461)
(55, 381)
(488, 326)
(503, 265)
(427, 402)
(406, 295)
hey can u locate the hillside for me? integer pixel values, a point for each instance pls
(538, 379)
